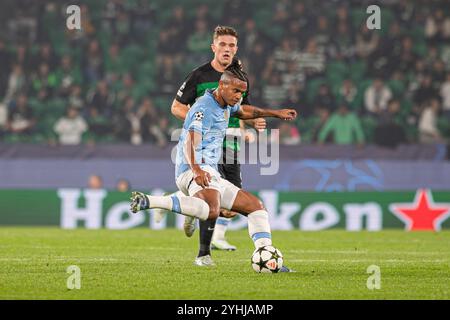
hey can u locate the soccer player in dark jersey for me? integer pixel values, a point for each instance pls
(205, 77)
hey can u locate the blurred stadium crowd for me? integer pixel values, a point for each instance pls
(114, 80)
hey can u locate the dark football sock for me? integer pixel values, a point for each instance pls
(206, 232)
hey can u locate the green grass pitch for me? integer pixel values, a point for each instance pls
(149, 264)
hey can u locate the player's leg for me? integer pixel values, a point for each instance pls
(206, 227)
(212, 197)
(190, 206)
(205, 200)
(159, 214)
(258, 219)
(219, 240)
(232, 173)
(189, 221)
(257, 215)
(182, 203)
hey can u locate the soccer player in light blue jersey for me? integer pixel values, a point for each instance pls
(199, 151)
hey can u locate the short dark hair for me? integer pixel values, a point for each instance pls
(225, 31)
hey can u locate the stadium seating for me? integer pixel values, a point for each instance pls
(140, 49)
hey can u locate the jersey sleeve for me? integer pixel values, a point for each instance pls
(188, 90)
(199, 120)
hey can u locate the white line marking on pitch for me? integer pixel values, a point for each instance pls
(61, 259)
(364, 260)
(367, 252)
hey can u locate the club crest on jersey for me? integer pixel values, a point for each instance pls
(198, 116)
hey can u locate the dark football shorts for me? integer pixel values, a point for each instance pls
(231, 172)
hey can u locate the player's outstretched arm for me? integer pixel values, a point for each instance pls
(251, 112)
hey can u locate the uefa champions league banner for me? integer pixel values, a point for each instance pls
(422, 209)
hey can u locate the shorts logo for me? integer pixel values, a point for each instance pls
(198, 116)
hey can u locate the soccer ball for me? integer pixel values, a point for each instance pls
(267, 259)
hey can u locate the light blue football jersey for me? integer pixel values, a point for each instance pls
(207, 117)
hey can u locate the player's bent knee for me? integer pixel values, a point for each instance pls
(256, 205)
(213, 216)
(213, 212)
(247, 203)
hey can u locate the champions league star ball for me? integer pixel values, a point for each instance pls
(198, 116)
(267, 259)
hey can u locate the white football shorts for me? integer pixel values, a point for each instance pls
(228, 191)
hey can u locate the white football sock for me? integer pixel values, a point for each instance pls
(159, 213)
(220, 228)
(178, 194)
(259, 228)
(188, 206)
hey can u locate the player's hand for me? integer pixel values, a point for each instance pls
(287, 114)
(227, 214)
(259, 124)
(202, 178)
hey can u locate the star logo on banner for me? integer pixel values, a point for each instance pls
(423, 214)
